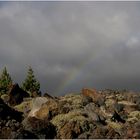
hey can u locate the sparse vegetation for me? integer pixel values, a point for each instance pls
(74, 115)
(30, 84)
(71, 116)
(5, 81)
(24, 107)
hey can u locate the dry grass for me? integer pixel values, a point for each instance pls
(24, 107)
(134, 114)
(72, 100)
(115, 126)
(5, 97)
(61, 119)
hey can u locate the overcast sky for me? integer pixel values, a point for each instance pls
(71, 45)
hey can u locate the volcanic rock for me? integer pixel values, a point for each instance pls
(83, 136)
(16, 95)
(70, 130)
(24, 134)
(10, 120)
(99, 133)
(7, 112)
(42, 128)
(36, 105)
(80, 116)
(118, 107)
(48, 96)
(86, 100)
(96, 97)
(117, 117)
(24, 107)
(112, 134)
(47, 110)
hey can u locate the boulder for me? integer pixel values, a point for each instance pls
(47, 110)
(48, 96)
(73, 116)
(36, 105)
(24, 134)
(132, 133)
(117, 117)
(118, 107)
(84, 136)
(70, 130)
(91, 107)
(5, 132)
(86, 100)
(8, 127)
(112, 134)
(24, 107)
(16, 95)
(7, 112)
(42, 128)
(92, 112)
(96, 97)
(99, 133)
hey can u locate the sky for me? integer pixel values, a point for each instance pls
(72, 45)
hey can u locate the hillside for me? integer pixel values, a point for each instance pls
(89, 114)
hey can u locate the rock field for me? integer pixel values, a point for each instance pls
(91, 114)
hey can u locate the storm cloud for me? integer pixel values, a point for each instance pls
(71, 45)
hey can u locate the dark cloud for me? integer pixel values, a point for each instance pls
(72, 45)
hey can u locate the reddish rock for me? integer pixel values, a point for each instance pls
(96, 97)
(89, 92)
(130, 133)
(133, 133)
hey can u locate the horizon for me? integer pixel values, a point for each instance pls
(72, 45)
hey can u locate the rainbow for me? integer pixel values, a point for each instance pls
(75, 73)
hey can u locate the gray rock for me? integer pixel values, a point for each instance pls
(24, 134)
(86, 100)
(42, 128)
(83, 136)
(118, 107)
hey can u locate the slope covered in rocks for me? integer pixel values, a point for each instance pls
(90, 114)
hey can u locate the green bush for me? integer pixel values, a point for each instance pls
(5, 81)
(30, 84)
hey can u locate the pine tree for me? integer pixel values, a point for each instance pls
(30, 84)
(5, 81)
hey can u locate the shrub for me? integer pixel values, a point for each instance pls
(30, 84)
(5, 81)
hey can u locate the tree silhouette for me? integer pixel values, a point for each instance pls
(5, 81)
(30, 84)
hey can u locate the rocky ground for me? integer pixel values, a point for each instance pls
(90, 114)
